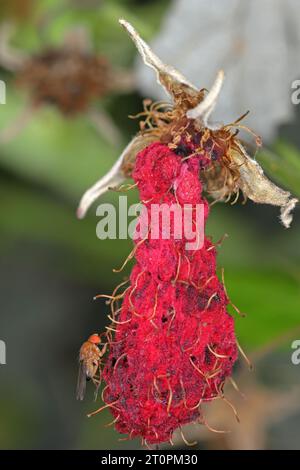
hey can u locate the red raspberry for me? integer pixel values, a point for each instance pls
(175, 342)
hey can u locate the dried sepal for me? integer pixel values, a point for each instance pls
(204, 109)
(172, 81)
(116, 175)
(257, 187)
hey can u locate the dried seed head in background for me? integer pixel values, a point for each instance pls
(185, 125)
(71, 77)
(68, 79)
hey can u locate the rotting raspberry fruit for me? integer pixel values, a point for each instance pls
(175, 342)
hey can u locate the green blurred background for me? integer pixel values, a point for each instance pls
(51, 264)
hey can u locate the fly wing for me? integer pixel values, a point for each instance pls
(81, 381)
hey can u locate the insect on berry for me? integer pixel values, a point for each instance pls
(89, 364)
(172, 344)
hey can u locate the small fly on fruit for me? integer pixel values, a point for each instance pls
(90, 355)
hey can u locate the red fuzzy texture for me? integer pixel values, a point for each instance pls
(175, 344)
